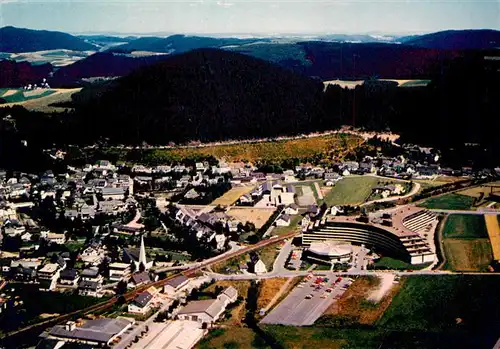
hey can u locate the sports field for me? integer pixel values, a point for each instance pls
(257, 216)
(231, 196)
(351, 190)
(468, 254)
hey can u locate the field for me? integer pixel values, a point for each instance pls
(268, 254)
(465, 226)
(232, 196)
(294, 225)
(396, 264)
(493, 227)
(428, 183)
(228, 337)
(268, 288)
(455, 303)
(355, 305)
(273, 151)
(42, 102)
(258, 216)
(449, 202)
(351, 190)
(467, 254)
(481, 193)
(19, 95)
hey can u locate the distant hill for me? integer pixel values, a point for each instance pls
(336, 60)
(18, 74)
(180, 43)
(102, 64)
(27, 40)
(457, 40)
(204, 94)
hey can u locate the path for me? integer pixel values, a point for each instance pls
(318, 190)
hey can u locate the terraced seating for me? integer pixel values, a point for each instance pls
(419, 221)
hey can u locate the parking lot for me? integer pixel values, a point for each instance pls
(308, 301)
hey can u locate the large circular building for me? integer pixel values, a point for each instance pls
(330, 251)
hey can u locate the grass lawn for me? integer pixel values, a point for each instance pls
(232, 196)
(351, 190)
(451, 303)
(427, 183)
(396, 264)
(321, 337)
(294, 224)
(465, 226)
(467, 254)
(268, 255)
(228, 338)
(449, 202)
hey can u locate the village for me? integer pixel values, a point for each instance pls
(103, 230)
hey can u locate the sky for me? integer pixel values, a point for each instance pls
(251, 16)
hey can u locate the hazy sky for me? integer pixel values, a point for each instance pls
(251, 16)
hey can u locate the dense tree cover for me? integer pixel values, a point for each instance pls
(18, 74)
(28, 40)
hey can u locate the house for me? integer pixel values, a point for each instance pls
(113, 193)
(119, 271)
(48, 276)
(175, 284)
(141, 303)
(292, 209)
(313, 210)
(23, 274)
(208, 311)
(283, 220)
(91, 274)
(139, 279)
(90, 288)
(54, 238)
(256, 265)
(94, 333)
(69, 277)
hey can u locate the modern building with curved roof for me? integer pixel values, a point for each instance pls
(330, 251)
(403, 234)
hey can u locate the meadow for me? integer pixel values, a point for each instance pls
(467, 254)
(465, 226)
(449, 202)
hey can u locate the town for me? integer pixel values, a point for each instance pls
(130, 251)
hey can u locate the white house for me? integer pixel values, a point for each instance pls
(141, 303)
(175, 284)
(283, 221)
(119, 271)
(292, 209)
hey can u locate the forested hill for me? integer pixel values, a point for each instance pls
(14, 39)
(205, 94)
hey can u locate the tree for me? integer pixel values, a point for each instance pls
(142, 267)
(121, 287)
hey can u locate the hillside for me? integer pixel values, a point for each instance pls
(17, 40)
(102, 64)
(457, 40)
(179, 43)
(205, 95)
(18, 74)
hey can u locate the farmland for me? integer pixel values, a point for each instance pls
(232, 196)
(467, 254)
(465, 227)
(19, 95)
(258, 216)
(449, 202)
(43, 101)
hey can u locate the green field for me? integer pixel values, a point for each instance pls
(396, 264)
(351, 190)
(449, 202)
(465, 226)
(467, 254)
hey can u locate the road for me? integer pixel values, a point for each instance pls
(478, 212)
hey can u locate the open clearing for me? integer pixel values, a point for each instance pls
(355, 305)
(467, 254)
(351, 190)
(228, 337)
(8, 93)
(465, 226)
(268, 288)
(232, 196)
(449, 202)
(493, 227)
(258, 216)
(43, 102)
(272, 151)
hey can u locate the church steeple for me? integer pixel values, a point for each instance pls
(142, 253)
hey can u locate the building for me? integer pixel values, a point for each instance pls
(91, 274)
(175, 284)
(99, 332)
(90, 288)
(54, 238)
(208, 311)
(329, 252)
(119, 271)
(113, 193)
(256, 265)
(69, 277)
(141, 303)
(48, 276)
(283, 221)
(139, 279)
